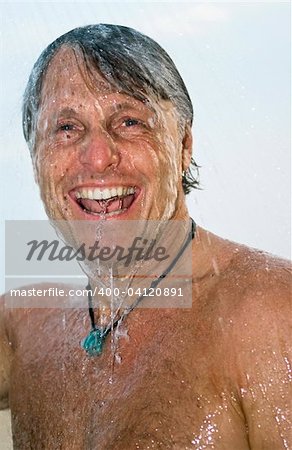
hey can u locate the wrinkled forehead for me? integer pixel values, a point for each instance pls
(69, 76)
(68, 67)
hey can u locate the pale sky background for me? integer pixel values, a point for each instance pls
(235, 60)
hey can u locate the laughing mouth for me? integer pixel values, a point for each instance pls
(111, 201)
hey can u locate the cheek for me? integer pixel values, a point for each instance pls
(51, 163)
(143, 158)
(159, 162)
(48, 174)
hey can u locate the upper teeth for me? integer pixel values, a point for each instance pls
(104, 194)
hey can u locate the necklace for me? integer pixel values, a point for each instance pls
(94, 341)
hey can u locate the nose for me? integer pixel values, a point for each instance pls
(100, 151)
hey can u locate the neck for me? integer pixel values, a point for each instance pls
(163, 242)
(93, 343)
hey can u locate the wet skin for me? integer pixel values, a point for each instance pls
(91, 135)
(215, 375)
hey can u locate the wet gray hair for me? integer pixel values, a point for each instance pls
(129, 60)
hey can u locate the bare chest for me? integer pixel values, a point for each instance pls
(143, 392)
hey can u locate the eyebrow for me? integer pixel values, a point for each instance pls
(119, 106)
(67, 112)
(123, 105)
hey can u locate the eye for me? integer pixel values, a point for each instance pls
(131, 122)
(66, 127)
(68, 130)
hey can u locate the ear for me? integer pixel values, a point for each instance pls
(187, 148)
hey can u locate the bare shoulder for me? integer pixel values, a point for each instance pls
(259, 286)
(254, 295)
(254, 299)
(244, 282)
(258, 307)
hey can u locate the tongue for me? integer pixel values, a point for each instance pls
(106, 206)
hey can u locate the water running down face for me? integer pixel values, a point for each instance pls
(101, 153)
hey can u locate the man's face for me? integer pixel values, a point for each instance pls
(101, 153)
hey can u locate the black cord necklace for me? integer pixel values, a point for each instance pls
(93, 343)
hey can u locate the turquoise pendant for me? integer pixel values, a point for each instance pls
(93, 343)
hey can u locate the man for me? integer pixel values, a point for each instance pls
(108, 122)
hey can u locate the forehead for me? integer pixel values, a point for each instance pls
(69, 82)
(67, 70)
